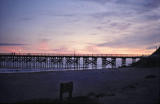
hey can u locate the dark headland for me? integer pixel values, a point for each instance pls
(151, 61)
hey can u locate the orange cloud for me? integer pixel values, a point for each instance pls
(43, 46)
(11, 49)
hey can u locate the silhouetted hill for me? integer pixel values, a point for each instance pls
(150, 61)
(156, 53)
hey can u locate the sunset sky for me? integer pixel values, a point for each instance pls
(83, 26)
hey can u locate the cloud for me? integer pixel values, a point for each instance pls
(151, 17)
(63, 50)
(127, 8)
(63, 15)
(9, 49)
(152, 47)
(11, 44)
(102, 15)
(43, 45)
(92, 49)
(142, 5)
(12, 47)
(45, 40)
(50, 13)
(97, 1)
(133, 41)
(114, 25)
(93, 34)
(26, 18)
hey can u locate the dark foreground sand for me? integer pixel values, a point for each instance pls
(118, 86)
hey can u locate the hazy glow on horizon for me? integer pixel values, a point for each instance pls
(86, 26)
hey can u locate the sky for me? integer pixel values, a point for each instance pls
(80, 26)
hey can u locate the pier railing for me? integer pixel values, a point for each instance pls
(78, 55)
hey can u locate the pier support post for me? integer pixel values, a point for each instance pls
(113, 62)
(60, 62)
(86, 62)
(76, 62)
(104, 62)
(123, 62)
(133, 60)
(72, 62)
(94, 62)
(68, 62)
(53, 62)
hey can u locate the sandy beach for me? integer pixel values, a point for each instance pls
(108, 86)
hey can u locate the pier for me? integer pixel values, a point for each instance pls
(63, 61)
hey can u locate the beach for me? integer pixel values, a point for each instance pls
(105, 86)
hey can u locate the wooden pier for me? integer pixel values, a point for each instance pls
(62, 61)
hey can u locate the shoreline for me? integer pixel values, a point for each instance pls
(48, 70)
(14, 71)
